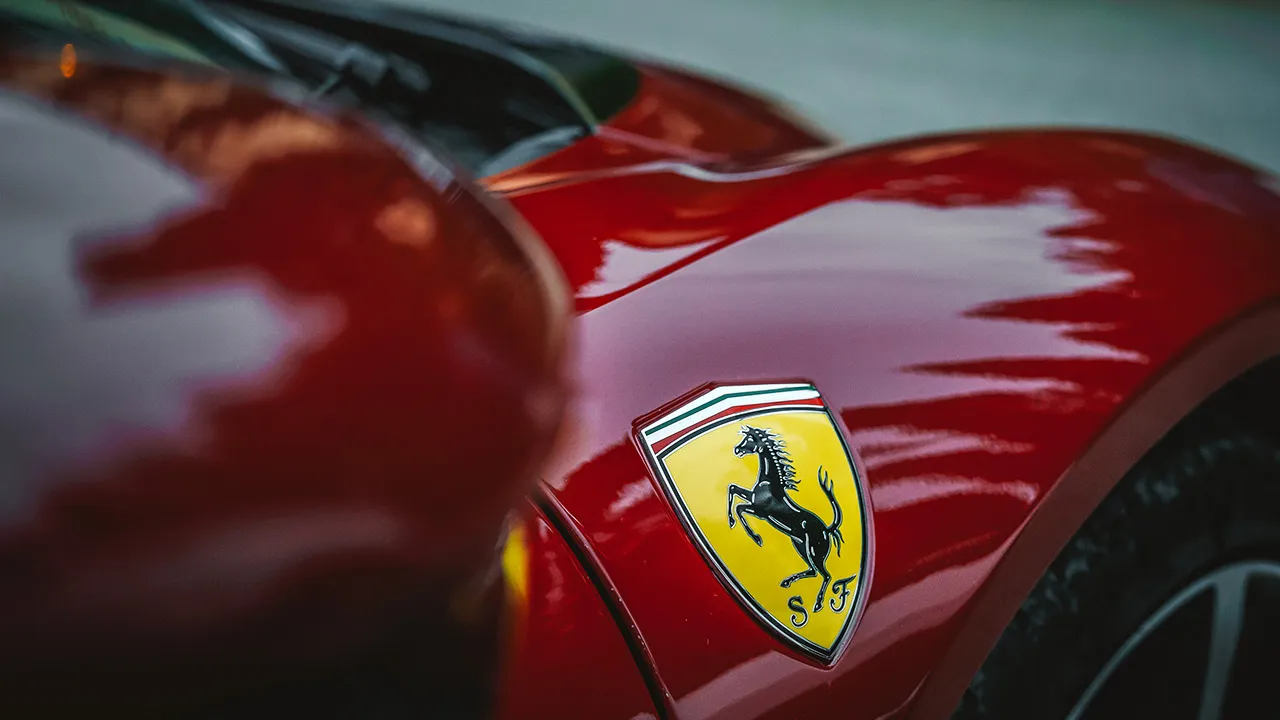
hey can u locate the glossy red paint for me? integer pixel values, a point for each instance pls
(674, 115)
(253, 360)
(1004, 321)
(568, 657)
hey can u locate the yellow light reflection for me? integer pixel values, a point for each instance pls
(68, 62)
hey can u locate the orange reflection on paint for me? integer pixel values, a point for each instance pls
(409, 221)
(68, 63)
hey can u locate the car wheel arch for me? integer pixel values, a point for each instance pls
(1229, 366)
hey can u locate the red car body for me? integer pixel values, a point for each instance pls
(1004, 323)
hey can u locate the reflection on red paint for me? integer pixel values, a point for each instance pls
(354, 376)
(978, 308)
(674, 115)
(568, 658)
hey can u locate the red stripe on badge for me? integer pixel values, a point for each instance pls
(667, 442)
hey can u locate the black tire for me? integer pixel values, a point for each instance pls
(1207, 497)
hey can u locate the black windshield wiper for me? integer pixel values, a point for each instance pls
(332, 62)
(370, 73)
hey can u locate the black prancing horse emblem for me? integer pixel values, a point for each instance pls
(769, 501)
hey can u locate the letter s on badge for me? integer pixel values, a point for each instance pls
(763, 480)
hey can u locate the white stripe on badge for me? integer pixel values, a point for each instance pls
(755, 394)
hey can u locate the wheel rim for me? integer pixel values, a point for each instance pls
(1229, 586)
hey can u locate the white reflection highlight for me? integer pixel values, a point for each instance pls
(626, 265)
(76, 377)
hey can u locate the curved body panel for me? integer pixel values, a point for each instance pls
(249, 352)
(978, 310)
(567, 657)
(1000, 325)
(674, 115)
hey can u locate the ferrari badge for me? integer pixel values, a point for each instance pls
(763, 480)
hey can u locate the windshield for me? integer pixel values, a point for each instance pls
(492, 99)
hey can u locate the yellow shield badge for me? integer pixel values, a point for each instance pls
(763, 480)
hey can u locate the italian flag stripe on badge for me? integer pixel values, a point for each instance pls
(667, 431)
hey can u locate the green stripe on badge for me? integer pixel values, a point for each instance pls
(709, 403)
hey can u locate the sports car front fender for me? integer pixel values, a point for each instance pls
(1003, 323)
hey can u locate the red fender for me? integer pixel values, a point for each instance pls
(1004, 322)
